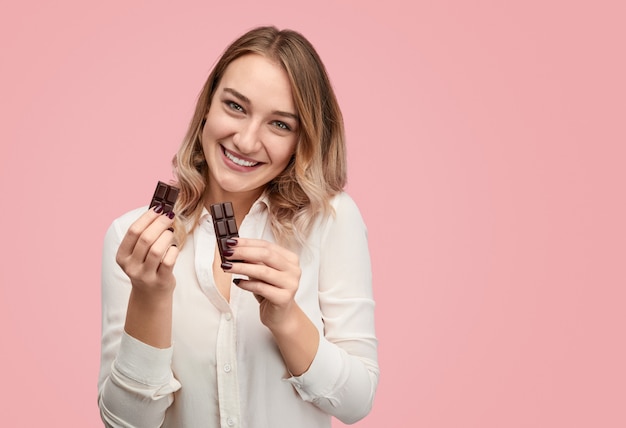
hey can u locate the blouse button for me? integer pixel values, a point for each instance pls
(230, 422)
(227, 316)
(227, 368)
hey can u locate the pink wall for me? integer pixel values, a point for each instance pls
(486, 144)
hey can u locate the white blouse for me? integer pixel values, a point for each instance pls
(224, 368)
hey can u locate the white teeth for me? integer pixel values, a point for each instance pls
(238, 161)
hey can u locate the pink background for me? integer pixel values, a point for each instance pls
(486, 149)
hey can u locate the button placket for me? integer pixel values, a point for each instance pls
(228, 387)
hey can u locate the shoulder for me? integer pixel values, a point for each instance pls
(345, 207)
(345, 218)
(343, 200)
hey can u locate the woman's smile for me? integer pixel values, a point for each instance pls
(240, 160)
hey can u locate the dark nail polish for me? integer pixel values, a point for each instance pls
(171, 229)
(228, 252)
(227, 265)
(231, 242)
(171, 214)
(237, 281)
(158, 209)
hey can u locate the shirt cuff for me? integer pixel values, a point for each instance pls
(144, 363)
(323, 376)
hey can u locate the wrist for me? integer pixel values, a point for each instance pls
(291, 323)
(149, 318)
(154, 300)
(297, 339)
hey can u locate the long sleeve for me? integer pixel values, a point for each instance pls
(135, 385)
(343, 377)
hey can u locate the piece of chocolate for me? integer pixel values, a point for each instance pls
(166, 195)
(225, 226)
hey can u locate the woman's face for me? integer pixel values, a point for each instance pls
(251, 128)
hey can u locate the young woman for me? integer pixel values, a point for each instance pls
(284, 338)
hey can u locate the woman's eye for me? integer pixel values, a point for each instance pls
(282, 125)
(234, 106)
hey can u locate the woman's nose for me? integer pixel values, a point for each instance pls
(248, 138)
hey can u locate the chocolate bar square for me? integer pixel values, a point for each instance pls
(166, 195)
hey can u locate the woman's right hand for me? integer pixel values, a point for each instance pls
(147, 253)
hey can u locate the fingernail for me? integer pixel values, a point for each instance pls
(171, 214)
(227, 265)
(237, 281)
(231, 242)
(158, 208)
(171, 229)
(228, 252)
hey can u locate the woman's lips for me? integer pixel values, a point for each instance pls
(239, 160)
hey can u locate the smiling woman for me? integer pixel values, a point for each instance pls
(250, 134)
(281, 334)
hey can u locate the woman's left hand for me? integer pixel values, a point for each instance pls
(274, 274)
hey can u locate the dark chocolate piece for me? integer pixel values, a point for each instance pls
(225, 226)
(166, 195)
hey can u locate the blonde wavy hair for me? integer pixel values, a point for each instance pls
(317, 170)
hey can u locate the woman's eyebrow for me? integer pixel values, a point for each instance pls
(286, 114)
(237, 94)
(246, 100)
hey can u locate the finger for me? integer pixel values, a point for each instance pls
(258, 297)
(260, 272)
(264, 252)
(169, 258)
(158, 251)
(261, 243)
(134, 232)
(150, 235)
(263, 291)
